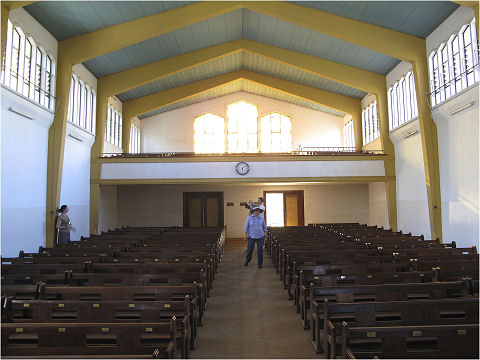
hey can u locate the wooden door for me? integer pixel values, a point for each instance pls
(293, 214)
(203, 210)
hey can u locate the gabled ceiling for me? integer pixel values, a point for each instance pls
(67, 19)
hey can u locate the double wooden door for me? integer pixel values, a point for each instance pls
(203, 209)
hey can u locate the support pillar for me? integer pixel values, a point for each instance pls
(126, 127)
(97, 150)
(389, 163)
(56, 145)
(5, 13)
(357, 128)
(428, 132)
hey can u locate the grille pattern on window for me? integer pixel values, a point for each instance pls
(349, 135)
(242, 128)
(454, 66)
(134, 139)
(81, 105)
(113, 127)
(370, 126)
(209, 136)
(275, 133)
(27, 69)
(402, 101)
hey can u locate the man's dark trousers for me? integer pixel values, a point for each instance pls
(251, 246)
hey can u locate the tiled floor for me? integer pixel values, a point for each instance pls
(248, 315)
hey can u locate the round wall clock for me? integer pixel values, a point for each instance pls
(242, 168)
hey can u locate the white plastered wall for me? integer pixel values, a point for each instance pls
(24, 149)
(173, 131)
(458, 138)
(162, 205)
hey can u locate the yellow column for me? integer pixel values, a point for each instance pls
(5, 13)
(56, 145)
(357, 128)
(428, 132)
(126, 126)
(389, 162)
(97, 150)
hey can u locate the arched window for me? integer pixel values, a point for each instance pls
(242, 128)
(275, 133)
(209, 137)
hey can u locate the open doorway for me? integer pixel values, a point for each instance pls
(284, 208)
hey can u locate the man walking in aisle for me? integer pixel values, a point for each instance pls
(255, 230)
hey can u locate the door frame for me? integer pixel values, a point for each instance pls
(301, 211)
(201, 194)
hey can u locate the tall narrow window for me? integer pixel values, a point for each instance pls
(242, 128)
(209, 137)
(38, 74)
(371, 127)
(402, 99)
(15, 62)
(348, 136)
(48, 79)
(275, 133)
(27, 66)
(468, 53)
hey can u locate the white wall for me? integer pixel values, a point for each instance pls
(107, 218)
(75, 191)
(162, 205)
(412, 202)
(173, 131)
(24, 173)
(458, 137)
(377, 205)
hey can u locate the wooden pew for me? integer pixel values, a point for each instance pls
(411, 342)
(309, 279)
(383, 292)
(392, 313)
(41, 311)
(90, 340)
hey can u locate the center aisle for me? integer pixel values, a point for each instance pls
(248, 314)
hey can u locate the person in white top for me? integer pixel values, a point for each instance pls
(258, 204)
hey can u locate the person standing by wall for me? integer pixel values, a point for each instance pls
(255, 230)
(64, 226)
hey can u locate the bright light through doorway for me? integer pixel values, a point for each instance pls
(274, 207)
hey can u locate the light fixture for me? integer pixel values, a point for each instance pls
(76, 137)
(462, 108)
(410, 133)
(21, 113)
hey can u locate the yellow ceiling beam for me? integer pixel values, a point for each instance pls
(364, 80)
(155, 101)
(128, 79)
(100, 42)
(328, 99)
(348, 75)
(12, 5)
(389, 42)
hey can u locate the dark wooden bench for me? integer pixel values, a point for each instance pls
(92, 340)
(392, 313)
(308, 278)
(383, 292)
(41, 311)
(411, 342)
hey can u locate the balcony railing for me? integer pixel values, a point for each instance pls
(300, 151)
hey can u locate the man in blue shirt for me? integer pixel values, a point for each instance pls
(255, 230)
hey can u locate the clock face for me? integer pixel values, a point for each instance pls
(242, 168)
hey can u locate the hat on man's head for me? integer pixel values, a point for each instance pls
(257, 208)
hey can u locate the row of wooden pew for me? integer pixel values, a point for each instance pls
(368, 292)
(128, 293)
